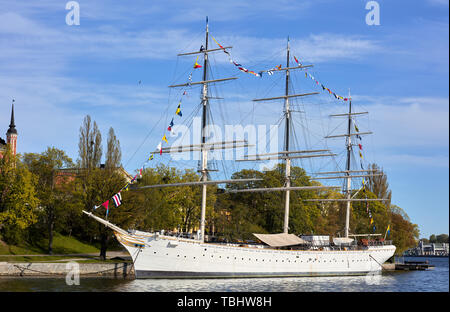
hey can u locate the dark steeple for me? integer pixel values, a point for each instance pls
(12, 126)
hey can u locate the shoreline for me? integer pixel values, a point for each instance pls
(51, 269)
(123, 270)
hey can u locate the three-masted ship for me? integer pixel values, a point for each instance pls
(156, 255)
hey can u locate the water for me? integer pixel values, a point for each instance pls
(436, 280)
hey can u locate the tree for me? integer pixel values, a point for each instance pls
(378, 184)
(18, 201)
(433, 239)
(263, 212)
(89, 153)
(98, 184)
(173, 208)
(53, 189)
(396, 209)
(104, 184)
(113, 152)
(254, 212)
(360, 219)
(332, 214)
(442, 238)
(89, 146)
(404, 234)
(113, 158)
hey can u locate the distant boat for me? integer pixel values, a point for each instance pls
(156, 255)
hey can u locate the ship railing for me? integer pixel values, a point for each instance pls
(379, 242)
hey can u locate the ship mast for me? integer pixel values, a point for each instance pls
(204, 147)
(286, 145)
(204, 154)
(349, 179)
(348, 173)
(287, 155)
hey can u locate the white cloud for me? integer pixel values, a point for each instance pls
(315, 48)
(402, 159)
(329, 47)
(13, 23)
(41, 47)
(408, 121)
(439, 2)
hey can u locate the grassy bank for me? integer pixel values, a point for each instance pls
(58, 259)
(61, 245)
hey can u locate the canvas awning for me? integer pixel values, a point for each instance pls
(342, 240)
(280, 240)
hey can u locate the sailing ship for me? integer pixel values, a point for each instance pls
(158, 255)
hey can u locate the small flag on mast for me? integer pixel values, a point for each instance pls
(197, 65)
(105, 204)
(178, 111)
(117, 199)
(388, 231)
(159, 147)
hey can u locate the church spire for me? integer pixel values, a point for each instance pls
(11, 134)
(12, 126)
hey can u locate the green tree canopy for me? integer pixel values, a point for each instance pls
(18, 200)
(53, 189)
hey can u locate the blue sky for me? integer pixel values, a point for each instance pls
(398, 71)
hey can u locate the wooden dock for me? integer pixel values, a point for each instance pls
(414, 265)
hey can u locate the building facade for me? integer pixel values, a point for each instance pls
(432, 249)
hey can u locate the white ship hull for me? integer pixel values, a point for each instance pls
(157, 256)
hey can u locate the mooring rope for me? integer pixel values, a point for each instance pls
(23, 269)
(376, 261)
